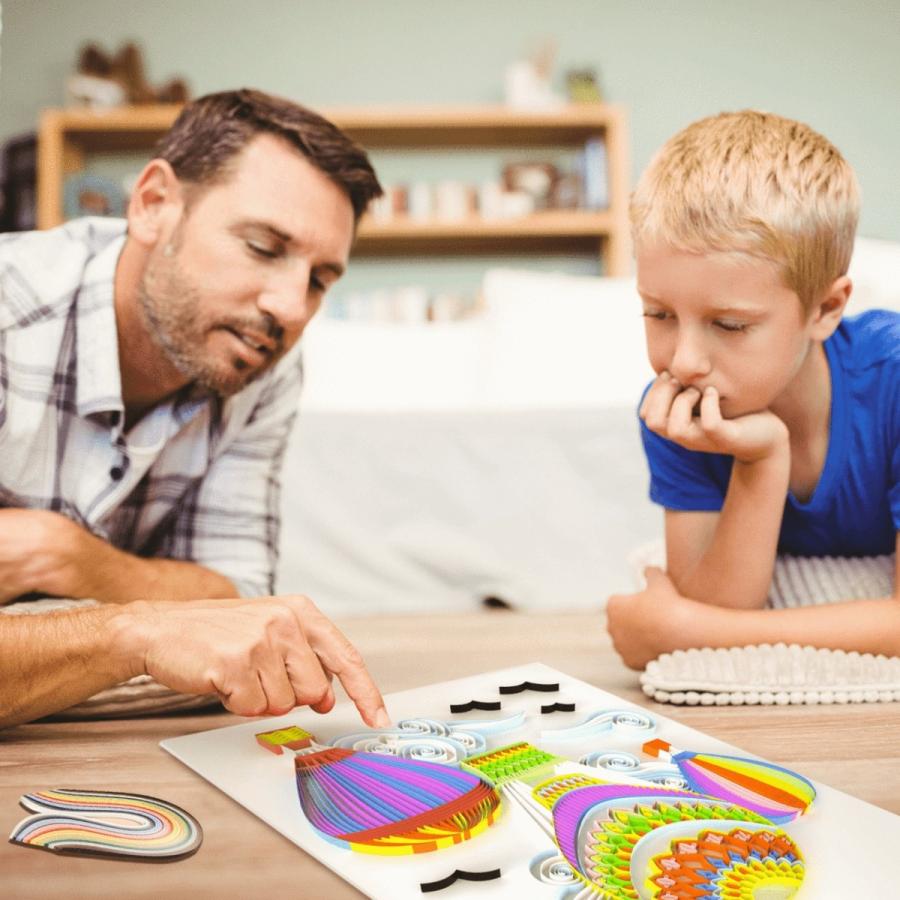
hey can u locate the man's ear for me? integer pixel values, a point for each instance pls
(156, 204)
(828, 312)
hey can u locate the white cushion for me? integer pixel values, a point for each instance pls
(875, 272)
(373, 366)
(563, 341)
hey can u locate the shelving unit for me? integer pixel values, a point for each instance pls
(67, 137)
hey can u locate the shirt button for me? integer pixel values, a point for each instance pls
(116, 473)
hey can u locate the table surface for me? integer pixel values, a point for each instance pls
(852, 748)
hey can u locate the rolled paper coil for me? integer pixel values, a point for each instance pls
(632, 723)
(107, 823)
(430, 748)
(489, 726)
(552, 868)
(620, 761)
(374, 803)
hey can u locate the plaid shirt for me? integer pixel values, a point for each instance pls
(196, 479)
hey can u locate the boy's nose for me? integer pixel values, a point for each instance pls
(690, 360)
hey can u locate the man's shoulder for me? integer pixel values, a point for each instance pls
(39, 270)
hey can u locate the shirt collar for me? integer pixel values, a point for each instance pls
(99, 382)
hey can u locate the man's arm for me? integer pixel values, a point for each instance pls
(44, 552)
(659, 620)
(261, 657)
(704, 550)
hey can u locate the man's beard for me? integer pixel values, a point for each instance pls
(171, 307)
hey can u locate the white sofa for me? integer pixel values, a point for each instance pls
(434, 466)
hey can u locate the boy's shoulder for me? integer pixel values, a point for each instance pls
(870, 340)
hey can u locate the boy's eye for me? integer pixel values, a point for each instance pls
(318, 286)
(730, 326)
(659, 315)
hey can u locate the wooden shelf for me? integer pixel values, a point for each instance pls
(68, 136)
(551, 230)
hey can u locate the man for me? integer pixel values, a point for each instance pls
(147, 388)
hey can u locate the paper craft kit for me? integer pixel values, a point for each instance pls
(528, 783)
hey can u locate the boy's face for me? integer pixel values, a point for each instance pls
(722, 320)
(231, 286)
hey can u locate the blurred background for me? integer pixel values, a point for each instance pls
(468, 427)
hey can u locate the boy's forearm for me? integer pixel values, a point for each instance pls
(736, 568)
(867, 626)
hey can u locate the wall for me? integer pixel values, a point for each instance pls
(833, 64)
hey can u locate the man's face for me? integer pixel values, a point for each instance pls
(230, 288)
(722, 320)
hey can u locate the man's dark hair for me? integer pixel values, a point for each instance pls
(212, 130)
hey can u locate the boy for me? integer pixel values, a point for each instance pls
(773, 425)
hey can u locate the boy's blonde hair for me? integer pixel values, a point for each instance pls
(758, 184)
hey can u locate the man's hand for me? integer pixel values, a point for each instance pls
(262, 656)
(38, 551)
(652, 621)
(669, 410)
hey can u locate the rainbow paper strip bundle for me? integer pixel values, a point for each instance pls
(377, 803)
(772, 791)
(107, 823)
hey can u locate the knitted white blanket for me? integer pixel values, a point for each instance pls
(782, 674)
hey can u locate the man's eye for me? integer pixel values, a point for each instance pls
(261, 250)
(318, 286)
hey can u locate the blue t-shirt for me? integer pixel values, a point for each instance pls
(855, 508)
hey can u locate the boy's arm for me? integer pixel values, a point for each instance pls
(705, 549)
(659, 620)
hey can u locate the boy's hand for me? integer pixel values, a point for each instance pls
(669, 410)
(652, 621)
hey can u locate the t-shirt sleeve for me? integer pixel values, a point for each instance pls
(894, 489)
(683, 479)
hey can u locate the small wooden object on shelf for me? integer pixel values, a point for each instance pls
(66, 137)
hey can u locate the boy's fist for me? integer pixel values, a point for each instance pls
(693, 420)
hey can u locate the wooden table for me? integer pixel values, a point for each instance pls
(853, 748)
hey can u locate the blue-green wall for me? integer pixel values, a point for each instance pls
(833, 64)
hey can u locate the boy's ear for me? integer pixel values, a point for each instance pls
(156, 203)
(828, 312)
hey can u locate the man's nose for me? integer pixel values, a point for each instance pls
(690, 360)
(286, 300)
